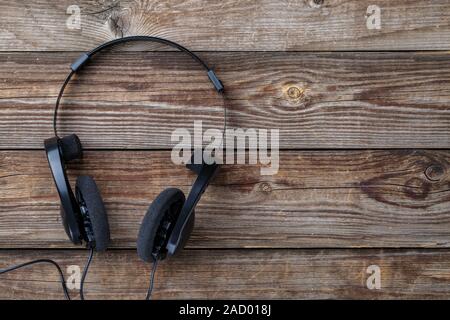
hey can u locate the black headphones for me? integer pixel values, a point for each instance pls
(169, 220)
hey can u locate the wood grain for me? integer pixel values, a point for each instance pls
(317, 199)
(316, 100)
(235, 25)
(237, 274)
(308, 232)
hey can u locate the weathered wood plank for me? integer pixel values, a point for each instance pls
(234, 274)
(229, 24)
(317, 199)
(316, 100)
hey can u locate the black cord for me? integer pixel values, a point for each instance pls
(26, 264)
(83, 277)
(152, 279)
(85, 271)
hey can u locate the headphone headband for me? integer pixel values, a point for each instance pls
(85, 57)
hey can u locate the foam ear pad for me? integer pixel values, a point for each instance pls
(71, 147)
(166, 207)
(87, 192)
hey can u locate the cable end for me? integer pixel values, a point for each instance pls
(215, 81)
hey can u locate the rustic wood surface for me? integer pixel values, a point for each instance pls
(316, 100)
(317, 199)
(254, 274)
(364, 120)
(229, 25)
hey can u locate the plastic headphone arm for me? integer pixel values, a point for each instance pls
(205, 176)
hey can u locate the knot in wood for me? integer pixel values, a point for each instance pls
(435, 172)
(265, 187)
(315, 3)
(295, 93)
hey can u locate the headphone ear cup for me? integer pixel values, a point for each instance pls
(71, 147)
(165, 208)
(89, 195)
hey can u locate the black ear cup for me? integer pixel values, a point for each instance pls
(158, 222)
(92, 207)
(71, 147)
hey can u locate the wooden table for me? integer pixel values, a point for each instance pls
(364, 120)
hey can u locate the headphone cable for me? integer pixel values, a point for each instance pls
(86, 269)
(83, 277)
(152, 279)
(29, 263)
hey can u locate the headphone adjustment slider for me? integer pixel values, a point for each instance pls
(79, 62)
(215, 81)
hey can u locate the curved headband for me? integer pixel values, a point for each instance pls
(85, 57)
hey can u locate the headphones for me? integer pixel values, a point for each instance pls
(169, 221)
